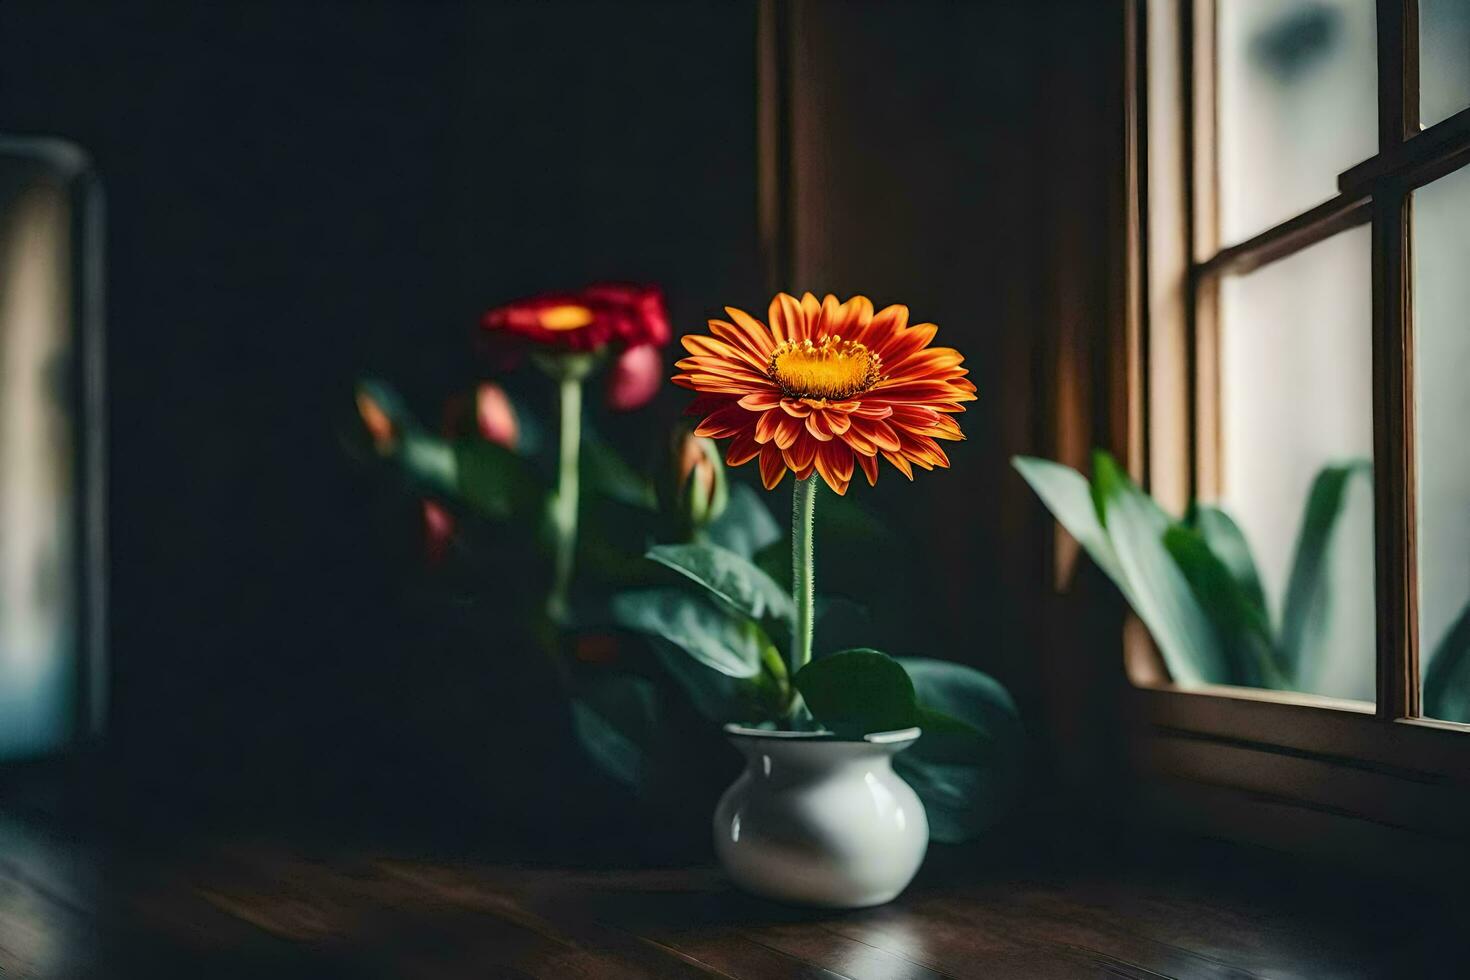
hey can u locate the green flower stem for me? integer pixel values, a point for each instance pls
(803, 572)
(564, 505)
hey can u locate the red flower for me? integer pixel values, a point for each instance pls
(629, 318)
(588, 320)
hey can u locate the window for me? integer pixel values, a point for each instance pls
(51, 628)
(1301, 344)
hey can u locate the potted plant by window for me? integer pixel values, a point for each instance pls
(820, 815)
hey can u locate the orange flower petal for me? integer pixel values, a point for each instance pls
(901, 464)
(788, 430)
(773, 467)
(751, 330)
(724, 423)
(885, 323)
(765, 425)
(802, 453)
(796, 407)
(759, 401)
(879, 433)
(870, 469)
(834, 463)
(743, 448)
(816, 424)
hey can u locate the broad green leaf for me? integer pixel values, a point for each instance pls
(709, 634)
(966, 783)
(1160, 594)
(607, 473)
(614, 717)
(1241, 626)
(429, 462)
(494, 480)
(735, 581)
(1228, 543)
(858, 692)
(1447, 675)
(717, 697)
(1308, 589)
(746, 526)
(1066, 494)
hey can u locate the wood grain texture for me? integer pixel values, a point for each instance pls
(1055, 905)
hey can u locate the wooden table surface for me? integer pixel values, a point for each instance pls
(238, 907)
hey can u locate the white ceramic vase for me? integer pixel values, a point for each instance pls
(817, 820)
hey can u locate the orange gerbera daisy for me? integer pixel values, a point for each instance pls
(826, 386)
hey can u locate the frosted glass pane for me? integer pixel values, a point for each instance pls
(1444, 58)
(1442, 357)
(38, 570)
(1296, 395)
(1298, 104)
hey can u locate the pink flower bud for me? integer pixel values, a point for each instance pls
(634, 378)
(495, 416)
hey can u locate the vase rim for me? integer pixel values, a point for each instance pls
(892, 737)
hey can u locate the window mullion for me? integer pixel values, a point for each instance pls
(1395, 462)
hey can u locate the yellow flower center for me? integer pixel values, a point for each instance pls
(831, 368)
(569, 317)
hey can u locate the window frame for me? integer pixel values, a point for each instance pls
(1281, 763)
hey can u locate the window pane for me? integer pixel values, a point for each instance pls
(1298, 105)
(38, 612)
(1442, 358)
(1296, 399)
(1444, 58)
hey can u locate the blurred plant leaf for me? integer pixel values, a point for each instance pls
(1158, 590)
(1308, 589)
(858, 692)
(1066, 494)
(1240, 625)
(746, 526)
(717, 697)
(1227, 542)
(696, 625)
(734, 581)
(494, 480)
(967, 779)
(605, 472)
(1447, 675)
(614, 716)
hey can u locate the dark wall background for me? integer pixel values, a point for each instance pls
(302, 192)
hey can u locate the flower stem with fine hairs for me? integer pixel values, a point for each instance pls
(564, 505)
(803, 572)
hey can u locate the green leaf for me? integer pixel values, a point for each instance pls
(1447, 675)
(734, 581)
(1308, 596)
(1240, 625)
(706, 632)
(746, 526)
(494, 480)
(1160, 593)
(967, 779)
(1228, 543)
(615, 719)
(718, 697)
(1066, 494)
(858, 692)
(607, 473)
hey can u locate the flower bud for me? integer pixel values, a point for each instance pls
(379, 426)
(495, 417)
(438, 531)
(635, 378)
(700, 492)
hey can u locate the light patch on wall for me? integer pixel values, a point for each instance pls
(38, 614)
